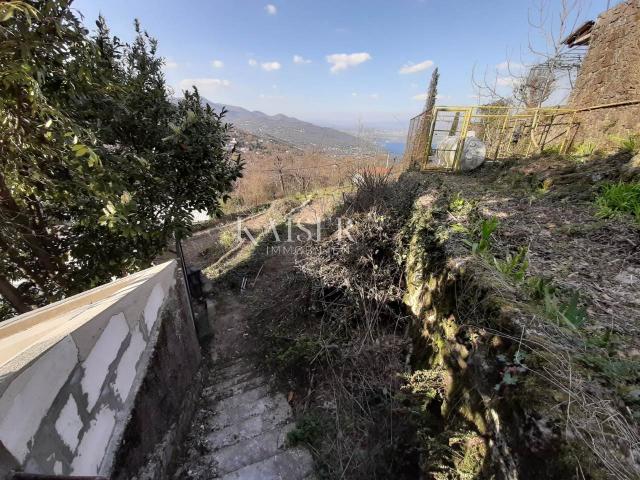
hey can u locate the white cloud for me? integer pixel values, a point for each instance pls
(508, 66)
(217, 64)
(206, 86)
(415, 67)
(170, 64)
(271, 9)
(423, 96)
(270, 66)
(372, 96)
(342, 61)
(299, 59)
(506, 81)
(266, 96)
(253, 63)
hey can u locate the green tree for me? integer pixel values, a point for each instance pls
(432, 93)
(98, 167)
(454, 124)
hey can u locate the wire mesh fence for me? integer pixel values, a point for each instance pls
(437, 139)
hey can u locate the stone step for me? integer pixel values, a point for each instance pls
(252, 450)
(242, 398)
(274, 406)
(221, 384)
(231, 369)
(291, 464)
(229, 389)
(249, 428)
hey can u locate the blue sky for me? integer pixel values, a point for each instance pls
(351, 53)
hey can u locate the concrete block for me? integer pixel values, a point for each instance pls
(27, 400)
(103, 354)
(94, 443)
(151, 309)
(126, 372)
(69, 424)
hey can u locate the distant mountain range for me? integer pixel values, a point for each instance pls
(301, 134)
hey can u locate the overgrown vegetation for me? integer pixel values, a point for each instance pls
(346, 342)
(619, 198)
(99, 168)
(628, 144)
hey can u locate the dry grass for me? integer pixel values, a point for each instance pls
(587, 375)
(270, 176)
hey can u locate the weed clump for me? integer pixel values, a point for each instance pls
(619, 198)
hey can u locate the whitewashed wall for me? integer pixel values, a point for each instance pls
(69, 374)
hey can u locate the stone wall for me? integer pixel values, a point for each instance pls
(610, 74)
(73, 374)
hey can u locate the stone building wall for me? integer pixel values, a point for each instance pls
(610, 74)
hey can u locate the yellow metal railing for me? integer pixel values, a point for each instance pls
(505, 130)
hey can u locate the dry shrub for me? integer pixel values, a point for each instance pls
(268, 176)
(361, 345)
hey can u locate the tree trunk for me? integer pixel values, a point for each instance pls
(13, 296)
(20, 222)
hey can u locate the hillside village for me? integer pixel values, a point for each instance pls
(190, 290)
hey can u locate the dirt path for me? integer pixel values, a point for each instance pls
(241, 426)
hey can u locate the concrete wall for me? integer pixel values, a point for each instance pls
(610, 73)
(71, 372)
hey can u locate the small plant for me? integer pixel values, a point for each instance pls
(615, 370)
(308, 430)
(514, 266)
(569, 314)
(227, 239)
(512, 368)
(619, 198)
(629, 144)
(540, 288)
(459, 204)
(552, 150)
(487, 227)
(584, 149)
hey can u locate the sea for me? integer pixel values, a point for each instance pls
(394, 148)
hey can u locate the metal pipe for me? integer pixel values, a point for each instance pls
(608, 105)
(186, 278)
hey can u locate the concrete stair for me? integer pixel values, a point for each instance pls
(247, 432)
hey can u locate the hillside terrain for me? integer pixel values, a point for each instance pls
(459, 331)
(300, 134)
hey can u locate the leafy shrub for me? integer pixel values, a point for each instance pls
(619, 198)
